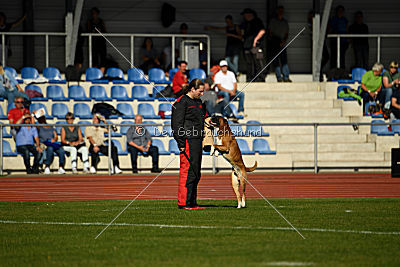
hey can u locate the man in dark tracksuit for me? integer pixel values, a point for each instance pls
(188, 115)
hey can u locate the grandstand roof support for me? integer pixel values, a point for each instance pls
(72, 28)
(319, 33)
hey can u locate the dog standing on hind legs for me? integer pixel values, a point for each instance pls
(229, 149)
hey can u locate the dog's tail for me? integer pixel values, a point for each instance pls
(252, 168)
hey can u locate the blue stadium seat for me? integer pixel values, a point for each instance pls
(255, 130)
(29, 73)
(197, 74)
(117, 144)
(153, 130)
(167, 129)
(124, 129)
(357, 73)
(173, 147)
(380, 129)
(77, 93)
(137, 76)
(95, 75)
(55, 93)
(396, 128)
(147, 111)
(82, 111)
(119, 93)
(157, 76)
(59, 110)
(237, 130)
(2, 115)
(244, 147)
(172, 73)
(345, 81)
(261, 146)
(117, 74)
(341, 88)
(82, 128)
(6, 134)
(140, 93)
(53, 75)
(98, 93)
(58, 128)
(126, 109)
(377, 116)
(10, 106)
(12, 71)
(235, 111)
(160, 88)
(158, 143)
(113, 134)
(165, 107)
(38, 89)
(37, 106)
(7, 151)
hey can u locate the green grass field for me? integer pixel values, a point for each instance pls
(156, 233)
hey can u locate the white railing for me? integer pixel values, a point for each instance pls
(378, 42)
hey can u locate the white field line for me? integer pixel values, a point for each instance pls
(204, 227)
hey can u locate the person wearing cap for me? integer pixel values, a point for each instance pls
(27, 141)
(390, 80)
(138, 139)
(371, 85)
(95, 136)
(227, 86)
(9, 87)
(279, 33)
(253, 37)
(73, 143)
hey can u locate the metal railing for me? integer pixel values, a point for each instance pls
(45, 34)
(377, 36)
(155, 35)
(110, 125)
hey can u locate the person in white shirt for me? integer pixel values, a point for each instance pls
(227, 86)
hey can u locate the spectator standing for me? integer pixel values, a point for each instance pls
(99, 48)
(338, 25)
(390, 79)
(6, 27)
(149, 55)
(371, 85)
(139, 141)
(180, 79)
(279, 33)
(25, 141)
(360, 45)
(48, 137)
(253, 37)
(95, 136)
(9, 87)
(227, 86)
(73, 143)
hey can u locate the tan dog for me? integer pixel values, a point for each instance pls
(229, 149)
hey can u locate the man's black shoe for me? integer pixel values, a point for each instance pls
(155, 170)
(134, 171)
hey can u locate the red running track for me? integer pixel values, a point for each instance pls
(338, 185)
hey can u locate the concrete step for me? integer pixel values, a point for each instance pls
(260, 116)
(283, 112)
(367, 157)
(296, 130)
(322, 139)
(350, 163)
(294, 96)
(335, 147)
(262, 104)
(279, 87)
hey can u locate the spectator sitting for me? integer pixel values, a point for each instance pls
(149, 55)
(16, 115)
(95, 136)
(73, 143)
(227, 86)
(180, 79)
(390, 79)
(26, 138)
(360, 44)
(9, 87)
(371, 85)
(279, 33)
(48, 137)
(395, 101)
(139, 140)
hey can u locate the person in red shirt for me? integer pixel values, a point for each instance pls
(180, 79)
(16, 115)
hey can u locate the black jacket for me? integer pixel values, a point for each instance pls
(187, 119)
